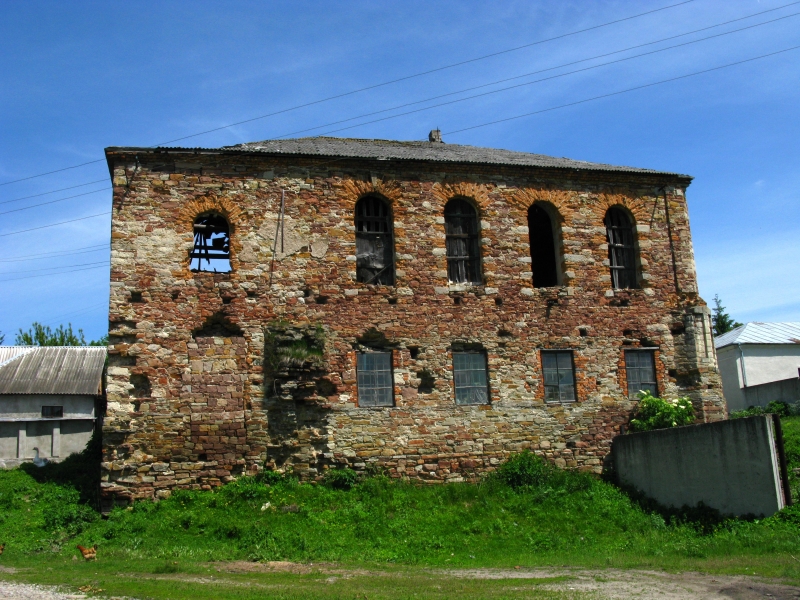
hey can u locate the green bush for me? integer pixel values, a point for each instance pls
(270, 477)
(525, 469)
(340, 479)
(776, 407)
(655, 413)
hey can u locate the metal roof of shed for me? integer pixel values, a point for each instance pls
(404, 150)
(51, 370)
(761, 333)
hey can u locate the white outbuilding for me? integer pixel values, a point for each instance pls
(759, 363)
(48, 400)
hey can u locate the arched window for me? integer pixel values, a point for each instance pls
(462, 241)
(212, 244)
(374, 245)
(543, 247)
(621, 249)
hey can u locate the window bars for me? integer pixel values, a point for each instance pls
(462, 242)
(621, 251)
(374, 245)
(375, 382)
(640, 368)
(559, 376)
(469, 376)
(212, 245)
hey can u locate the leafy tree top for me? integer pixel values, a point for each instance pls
(43, 335)
(721, 321)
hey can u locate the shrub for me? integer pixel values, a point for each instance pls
(340, 479)
(655, 413)
(776, 407)
(525, 469)
(270, 477)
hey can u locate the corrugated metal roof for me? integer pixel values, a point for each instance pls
(398, 150)
(52, 370)
(8, 353)
(761, 333)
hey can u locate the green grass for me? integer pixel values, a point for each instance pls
(791, 445)
(529, 515)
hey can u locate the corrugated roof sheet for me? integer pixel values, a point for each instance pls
(52, 370)
(398, 150)
(761, 333)
(8, 353)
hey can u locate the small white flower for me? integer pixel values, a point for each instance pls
(266, 506)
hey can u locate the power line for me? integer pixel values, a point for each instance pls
(53, 274)
(519, 85)
(54, 201)
(72, 187)
(54, 224)
(74, 313)
(378, 85)
(98, 262)
(469, 89)
(638, 87)
(55, 254)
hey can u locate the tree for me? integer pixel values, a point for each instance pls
(2, 337)
(42, 335)
(722, 322)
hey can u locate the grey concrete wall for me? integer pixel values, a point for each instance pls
(728, 465)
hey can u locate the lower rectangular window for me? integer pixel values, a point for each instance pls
(559, 376)
(375, 381)
(640, 369)
(52, 412)
(469, 376)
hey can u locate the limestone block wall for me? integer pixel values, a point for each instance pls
(193, 399)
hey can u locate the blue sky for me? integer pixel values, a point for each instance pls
(77, 77)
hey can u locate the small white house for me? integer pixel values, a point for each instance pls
(48, 400)
(759, 363)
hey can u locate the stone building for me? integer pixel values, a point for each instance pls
(420, 308)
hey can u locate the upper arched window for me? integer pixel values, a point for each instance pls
(462, 240)
(541, 234)
(621, 249)
(212, 244)
(374, 244)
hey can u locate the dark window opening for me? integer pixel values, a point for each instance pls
(136, 296)
(543, 247)
(640, 369)
(462, 242)
(621, 250)
(469, 376)
(375, 381)
(374, 245)
(52, 412)
(212, 245)
(559, 376)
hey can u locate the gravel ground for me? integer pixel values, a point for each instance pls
(29, 591)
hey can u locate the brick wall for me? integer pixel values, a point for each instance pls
(220, 406)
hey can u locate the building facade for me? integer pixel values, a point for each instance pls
(759, 363)
(48, 401)
(420, 308)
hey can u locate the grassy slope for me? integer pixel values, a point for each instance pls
(562, 519)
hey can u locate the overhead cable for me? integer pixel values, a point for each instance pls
(54, 201)
(375, 86)
(56, 253)
(3, 234)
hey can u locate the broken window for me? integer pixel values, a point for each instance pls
(212, 245)
(462, 242)
(469, 376)
(52, 412)
(640, 369)
(375, 381)
(621, 250)
(543, 247)
(374, 245)
(559, 376)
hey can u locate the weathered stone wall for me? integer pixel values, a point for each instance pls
(218, 404)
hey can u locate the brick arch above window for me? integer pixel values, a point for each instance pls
(635, 206)
(352, 190)
(560, 201)
(477, 193)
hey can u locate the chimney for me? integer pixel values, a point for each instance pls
(435, 136)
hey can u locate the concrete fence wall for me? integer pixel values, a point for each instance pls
(732, 466)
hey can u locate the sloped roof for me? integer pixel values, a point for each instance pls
(51, 370)
(757, 332)
(399, 150)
